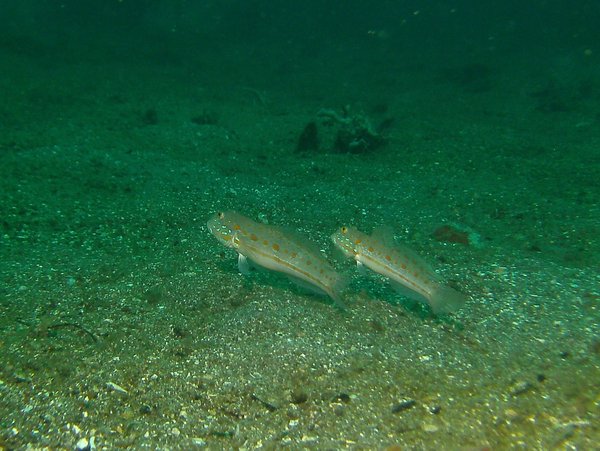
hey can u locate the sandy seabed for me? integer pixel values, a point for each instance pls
(125, 324)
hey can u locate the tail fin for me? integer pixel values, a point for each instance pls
(445, 300)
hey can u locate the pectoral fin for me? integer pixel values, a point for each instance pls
(362, 269)
(243, 264)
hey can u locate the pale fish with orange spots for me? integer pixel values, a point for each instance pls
(407, 272)
(277, 250)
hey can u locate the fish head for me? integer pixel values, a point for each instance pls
(347, 239)
(221, 226)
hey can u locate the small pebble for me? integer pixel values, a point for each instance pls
(83, 445)
(299, 397)
(403, 405)
(293, 423)
(116, 388)
(430, 427)
(541, 377)
(435, 410)
(21, 378)
(344, 397)
(521, 387)
(199, 441)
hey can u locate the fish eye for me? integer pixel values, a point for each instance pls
(344, 230)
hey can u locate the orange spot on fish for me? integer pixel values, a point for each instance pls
(358, 241)
(388, 258)
(293, 255)
(403, 266)
(236, 227)
(370, 249)
(275, 247)
(253, 237)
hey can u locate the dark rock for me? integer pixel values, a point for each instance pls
(298, 397)
(344, 397)
(309, 138)
(357, 140)
(541, 377)
(450, 234)
(435, 409)
(403, 405)
(178, 331)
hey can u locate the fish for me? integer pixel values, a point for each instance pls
(408, 273)
(278, 250)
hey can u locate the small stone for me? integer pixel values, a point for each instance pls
(21, 378)
(344, 397)
(299, 397)
(435, 409)
(541, 377)
(308, 438)
(451, 234)
(521, 387)
(403, 405)
(430, 427)
(83, 445)
(293, 423)
(116, 388)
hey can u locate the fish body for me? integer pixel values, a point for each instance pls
(272, 248)
(407, 272)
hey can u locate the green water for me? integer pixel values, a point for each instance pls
(124, 127)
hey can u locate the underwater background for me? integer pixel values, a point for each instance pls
(469, 128)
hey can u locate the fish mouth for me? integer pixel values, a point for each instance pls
(220, 231)
(213, 224)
